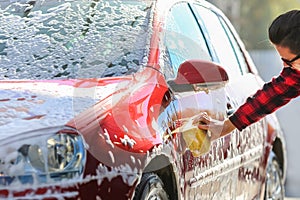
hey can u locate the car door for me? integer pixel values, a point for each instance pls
(246, 148)
(205, 176)
(232, 166)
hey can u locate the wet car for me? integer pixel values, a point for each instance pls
(92, 93)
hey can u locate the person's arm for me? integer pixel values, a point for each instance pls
(272, 96)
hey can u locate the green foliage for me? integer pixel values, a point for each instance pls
(255, 18)
(254, 15)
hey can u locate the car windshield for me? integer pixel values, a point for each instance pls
(55, 39)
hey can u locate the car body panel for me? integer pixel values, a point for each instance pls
(127, 121)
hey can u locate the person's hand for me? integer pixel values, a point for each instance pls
(216, 128)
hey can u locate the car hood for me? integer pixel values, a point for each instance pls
(31, 105)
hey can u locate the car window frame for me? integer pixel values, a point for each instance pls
(241, 58)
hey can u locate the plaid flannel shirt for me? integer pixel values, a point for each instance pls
(274, 94)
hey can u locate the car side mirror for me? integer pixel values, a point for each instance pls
(197, 75)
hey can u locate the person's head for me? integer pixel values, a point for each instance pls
(284, 33)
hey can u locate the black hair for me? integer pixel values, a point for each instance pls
(285, 31)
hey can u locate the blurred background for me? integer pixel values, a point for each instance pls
(251, 19)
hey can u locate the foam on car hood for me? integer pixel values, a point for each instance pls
(32, 105)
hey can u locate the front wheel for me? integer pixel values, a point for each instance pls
(151, 187)
(274, 189)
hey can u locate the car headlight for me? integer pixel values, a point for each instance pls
(42, 156)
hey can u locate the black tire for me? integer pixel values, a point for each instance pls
(274, 188)
(150, 188)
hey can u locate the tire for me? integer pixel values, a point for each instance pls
(151, 187)
(274, 188)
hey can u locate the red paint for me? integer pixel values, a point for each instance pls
(130, 110)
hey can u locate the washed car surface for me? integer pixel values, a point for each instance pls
(92, 91)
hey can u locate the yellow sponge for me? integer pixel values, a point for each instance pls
(197, 140)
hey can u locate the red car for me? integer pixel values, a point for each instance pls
(94, 95)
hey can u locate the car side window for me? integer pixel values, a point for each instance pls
(223, 42)
(239, 54)
(183, 38)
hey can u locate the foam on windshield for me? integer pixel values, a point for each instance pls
(54, 39)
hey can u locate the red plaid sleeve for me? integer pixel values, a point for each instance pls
(278, 92)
